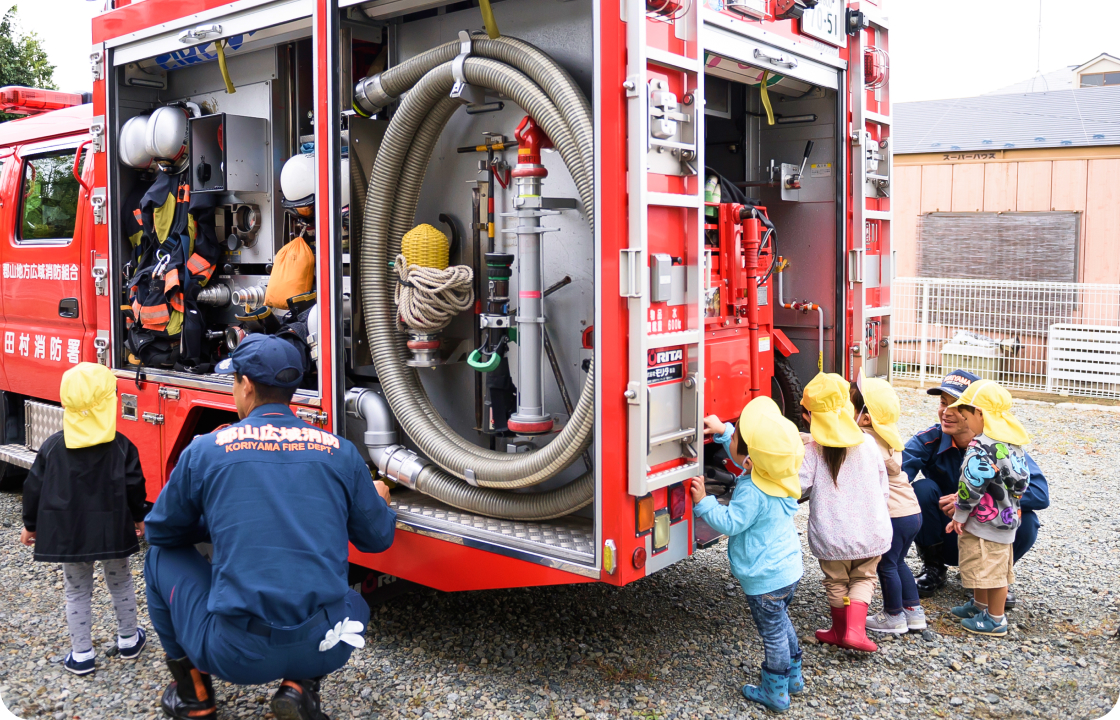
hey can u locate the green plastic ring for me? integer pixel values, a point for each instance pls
(475, 361)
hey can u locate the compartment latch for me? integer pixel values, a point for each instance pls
(97, 201)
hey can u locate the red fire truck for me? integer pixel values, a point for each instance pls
(651, 211)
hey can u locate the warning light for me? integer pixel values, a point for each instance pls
(643, 511)
(610, 557)
(18, 100)
(678, 501)
(639, 558)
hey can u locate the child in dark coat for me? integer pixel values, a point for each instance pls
(83, 501)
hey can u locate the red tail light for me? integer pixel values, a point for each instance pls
(678, 501)
(31, 101)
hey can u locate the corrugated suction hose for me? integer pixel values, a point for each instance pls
(468, 477)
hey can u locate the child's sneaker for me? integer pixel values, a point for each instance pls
(915, 619)
(79, 667)
(884, 622)
(139, 640)
(968, 610)
(983, 624)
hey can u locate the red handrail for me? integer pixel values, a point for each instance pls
(77, 162)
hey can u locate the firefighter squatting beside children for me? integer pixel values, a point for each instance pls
(85, 493)
(863, 517)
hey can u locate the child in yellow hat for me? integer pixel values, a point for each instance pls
(762, 541)
(849, 526)
(877, 410)
(994, 476)
(83, 500)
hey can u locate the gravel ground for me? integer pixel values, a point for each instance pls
(675, 645)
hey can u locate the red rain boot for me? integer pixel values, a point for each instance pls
(855, 631)
(835, 635)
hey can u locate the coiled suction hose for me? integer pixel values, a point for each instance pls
(468, 477)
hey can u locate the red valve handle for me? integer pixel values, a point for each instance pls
(531, 139)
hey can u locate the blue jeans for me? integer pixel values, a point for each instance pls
(934, 522)
(178, 588)
(899, 588)
(771, 617)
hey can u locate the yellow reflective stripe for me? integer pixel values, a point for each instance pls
(163, 216)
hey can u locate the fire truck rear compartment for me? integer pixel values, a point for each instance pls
(743, 147)
(273, 83)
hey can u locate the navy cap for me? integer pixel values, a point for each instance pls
(954, 383)
(265, 359)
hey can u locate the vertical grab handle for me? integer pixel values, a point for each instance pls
(77, 164)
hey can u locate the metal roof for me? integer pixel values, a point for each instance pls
(1074, 117)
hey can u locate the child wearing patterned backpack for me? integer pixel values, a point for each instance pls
(994, 476)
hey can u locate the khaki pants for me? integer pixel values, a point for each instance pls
(985, 564)
(853, 579)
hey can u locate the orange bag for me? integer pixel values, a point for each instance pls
(293, 273)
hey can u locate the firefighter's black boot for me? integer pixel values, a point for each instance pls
(933, 575)
(191, 696)
(298, 700)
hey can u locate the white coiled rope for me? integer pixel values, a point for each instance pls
(429, 298)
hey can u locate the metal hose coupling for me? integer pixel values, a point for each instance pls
(393, 461)
(369, 97)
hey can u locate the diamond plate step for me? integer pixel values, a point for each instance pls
(19, 455)
(570, 538)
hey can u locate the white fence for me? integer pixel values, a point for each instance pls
(1049, 337)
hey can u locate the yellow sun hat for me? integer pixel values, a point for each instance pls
(774, 446)
(828, 398)
(89, 401)
(882, 406)
(999, 423)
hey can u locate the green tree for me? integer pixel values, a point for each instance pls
(23, 60)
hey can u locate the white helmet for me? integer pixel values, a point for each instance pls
(297, 182)
(134, 136)
(167, 133)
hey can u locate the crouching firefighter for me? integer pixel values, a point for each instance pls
(279, 500)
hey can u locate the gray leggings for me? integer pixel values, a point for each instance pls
(79, 591)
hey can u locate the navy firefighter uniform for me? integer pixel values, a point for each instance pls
(279, 500)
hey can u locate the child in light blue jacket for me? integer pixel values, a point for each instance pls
(762, 541)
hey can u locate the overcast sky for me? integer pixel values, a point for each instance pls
(939, 48)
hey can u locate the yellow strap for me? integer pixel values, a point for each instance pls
(230, 89)
(488, 19)
(766, 98)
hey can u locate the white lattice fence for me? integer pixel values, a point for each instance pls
(1009, 331)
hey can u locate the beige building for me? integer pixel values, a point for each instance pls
(1013, 185)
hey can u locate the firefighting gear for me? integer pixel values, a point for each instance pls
(293, 274)
(133, 143)
(166, 137)
(174, 256)
(89, 400)
(297, 183)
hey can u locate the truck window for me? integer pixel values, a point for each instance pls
(50, 198)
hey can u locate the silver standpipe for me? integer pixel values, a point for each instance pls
(531, 418)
